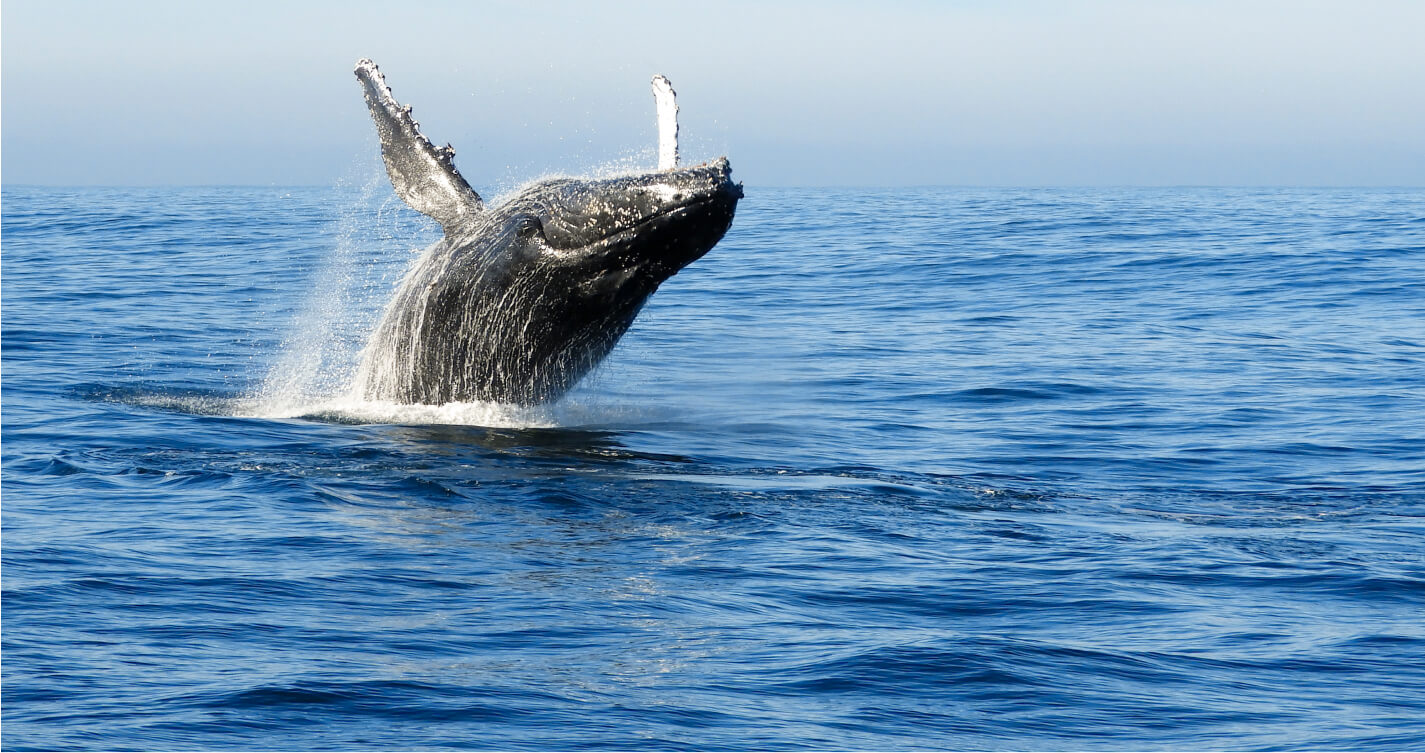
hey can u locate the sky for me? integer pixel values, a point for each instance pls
(1113, 92)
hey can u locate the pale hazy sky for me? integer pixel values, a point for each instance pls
(796, 93)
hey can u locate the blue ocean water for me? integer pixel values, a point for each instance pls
(889, 469)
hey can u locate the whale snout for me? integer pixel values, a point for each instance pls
(724, 168)
(716, 178)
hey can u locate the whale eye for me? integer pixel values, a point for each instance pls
(527, 226)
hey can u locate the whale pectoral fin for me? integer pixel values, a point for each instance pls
(665, 99)
(422, 173)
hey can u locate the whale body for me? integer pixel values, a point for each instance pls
(517, 302)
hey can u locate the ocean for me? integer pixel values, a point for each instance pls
(940, 468)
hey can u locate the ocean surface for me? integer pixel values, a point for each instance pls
(889, 469)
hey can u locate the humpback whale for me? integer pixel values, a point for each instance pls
(519, 301)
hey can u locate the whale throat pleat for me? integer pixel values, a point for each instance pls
(422, 173)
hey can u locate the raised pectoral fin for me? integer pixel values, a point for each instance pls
(666, 101)
(422, 173)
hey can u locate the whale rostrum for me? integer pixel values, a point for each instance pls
(517, 302)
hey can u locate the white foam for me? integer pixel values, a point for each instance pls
(354, 410)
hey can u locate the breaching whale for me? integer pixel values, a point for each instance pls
(517, 302)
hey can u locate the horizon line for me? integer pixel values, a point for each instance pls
(1395, 186)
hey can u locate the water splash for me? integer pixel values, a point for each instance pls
(374, 236)
(349, 409)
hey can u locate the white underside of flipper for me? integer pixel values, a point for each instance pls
(667, 103)
(422, 173)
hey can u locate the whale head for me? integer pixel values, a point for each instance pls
(618, 237)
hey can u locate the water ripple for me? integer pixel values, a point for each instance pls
(888, 469)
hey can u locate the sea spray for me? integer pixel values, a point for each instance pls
(374, 235)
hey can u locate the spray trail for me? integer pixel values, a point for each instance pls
(319, 356)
